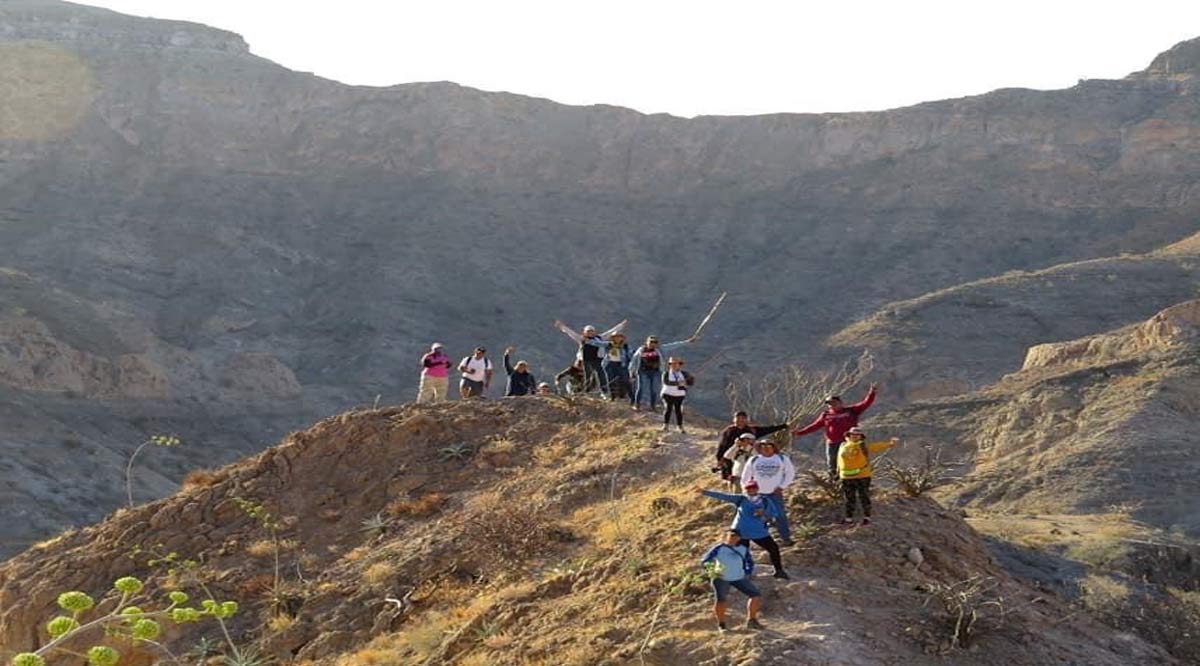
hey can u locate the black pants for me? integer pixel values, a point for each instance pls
(768, 544)
(859, 489)
(674, 402)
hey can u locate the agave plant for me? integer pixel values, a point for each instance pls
(459, 451)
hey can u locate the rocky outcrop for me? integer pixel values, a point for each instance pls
(1177, 325)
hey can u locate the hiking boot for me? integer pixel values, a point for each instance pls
(753, 623)
(780, 573)
(721, 628)
(865, 522)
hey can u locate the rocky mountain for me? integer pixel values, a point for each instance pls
(198, 241)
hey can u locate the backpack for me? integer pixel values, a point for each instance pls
(649, 359)
(852, 459)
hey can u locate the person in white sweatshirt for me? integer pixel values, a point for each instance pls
(773, 472)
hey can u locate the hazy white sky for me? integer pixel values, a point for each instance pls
(699, 57)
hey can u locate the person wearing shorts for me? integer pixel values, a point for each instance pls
(476, 372)
(730, 565)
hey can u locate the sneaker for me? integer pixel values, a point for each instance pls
(753, 623)
(666, 428)
(865, 522)
(721, 628)
(787, 542)
(682, 431)
(780, 573)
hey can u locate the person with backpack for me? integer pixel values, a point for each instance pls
(435, 375)
(520, 380)
(615, 364)
(476, 372)
(836, 420)
(729, 565)
(645, 370)
(854, 469)
(591, 346)
(752, 515)
(740, 427)
(675, 387)
(772, 472)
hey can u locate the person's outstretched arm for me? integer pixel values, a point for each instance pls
(862, 405)
(508, 369)
(662, 347)
(568, 331)
(816, 425)
(880, 447)
(615, 329)
(763, 431)
(724, 497)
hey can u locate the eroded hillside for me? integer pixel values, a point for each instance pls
(534, 531)
(257, 234)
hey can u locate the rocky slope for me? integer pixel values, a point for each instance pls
(535, 531)
(248, 248)
(1085, 426)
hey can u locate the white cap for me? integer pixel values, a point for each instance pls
(589, 327)
(436, 345)
(746, 435)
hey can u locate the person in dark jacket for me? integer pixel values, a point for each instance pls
(615, 363)
(520, 379)
(571, 380)
(740, 426)
(591, 349)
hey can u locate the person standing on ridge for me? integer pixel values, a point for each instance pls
(750, 519)
(616, 368)
(740, 426)
(773, 472)
(729, 564)
(520, 380)
(591, 346)
(476, 372)
(837, 419)
(646, 369)
(737, 455)
(675, 387)
(435, 375)
(854, 469)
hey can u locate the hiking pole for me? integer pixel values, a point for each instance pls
(711, 312)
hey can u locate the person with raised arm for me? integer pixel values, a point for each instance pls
(645, 370)
(837, 420)
(591, 347)
(520, 380)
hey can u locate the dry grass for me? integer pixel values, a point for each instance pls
(280, 622)
(261, 548)
(422, 507)
(199, 478)
(379, 573)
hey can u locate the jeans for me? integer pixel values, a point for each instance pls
(721, 588)
(781, 523)
(593, 377)
(648, 384)
(831, 454)
(617, 376)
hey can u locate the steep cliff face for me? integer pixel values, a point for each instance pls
(269, 235)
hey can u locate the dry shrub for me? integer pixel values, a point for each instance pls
(828, 490)
(793, 393)
(199, 478)
(422, 507)
(261, 548)
(256, 586)
(966, 609)
(280, 622)
(505, 531)
(379, 573)
(916, 479)
(1170, 617)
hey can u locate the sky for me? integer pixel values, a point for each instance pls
(701, 57)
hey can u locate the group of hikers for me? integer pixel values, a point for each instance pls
(604, 364)
(757, 474)
(748, 459)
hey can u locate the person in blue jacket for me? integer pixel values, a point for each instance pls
(751, 519)
(729, 564)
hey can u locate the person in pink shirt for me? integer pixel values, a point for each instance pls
(435, 375)
(837, 420)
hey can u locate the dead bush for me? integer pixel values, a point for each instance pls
(422, 507)
(507, 532)
(793, 393)
(828, 490)
(966, 609)
(916, 479)
(1168, 617)
(199, 478)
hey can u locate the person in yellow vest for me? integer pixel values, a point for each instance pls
(854, 469)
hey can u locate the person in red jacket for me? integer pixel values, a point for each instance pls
(837, 420)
